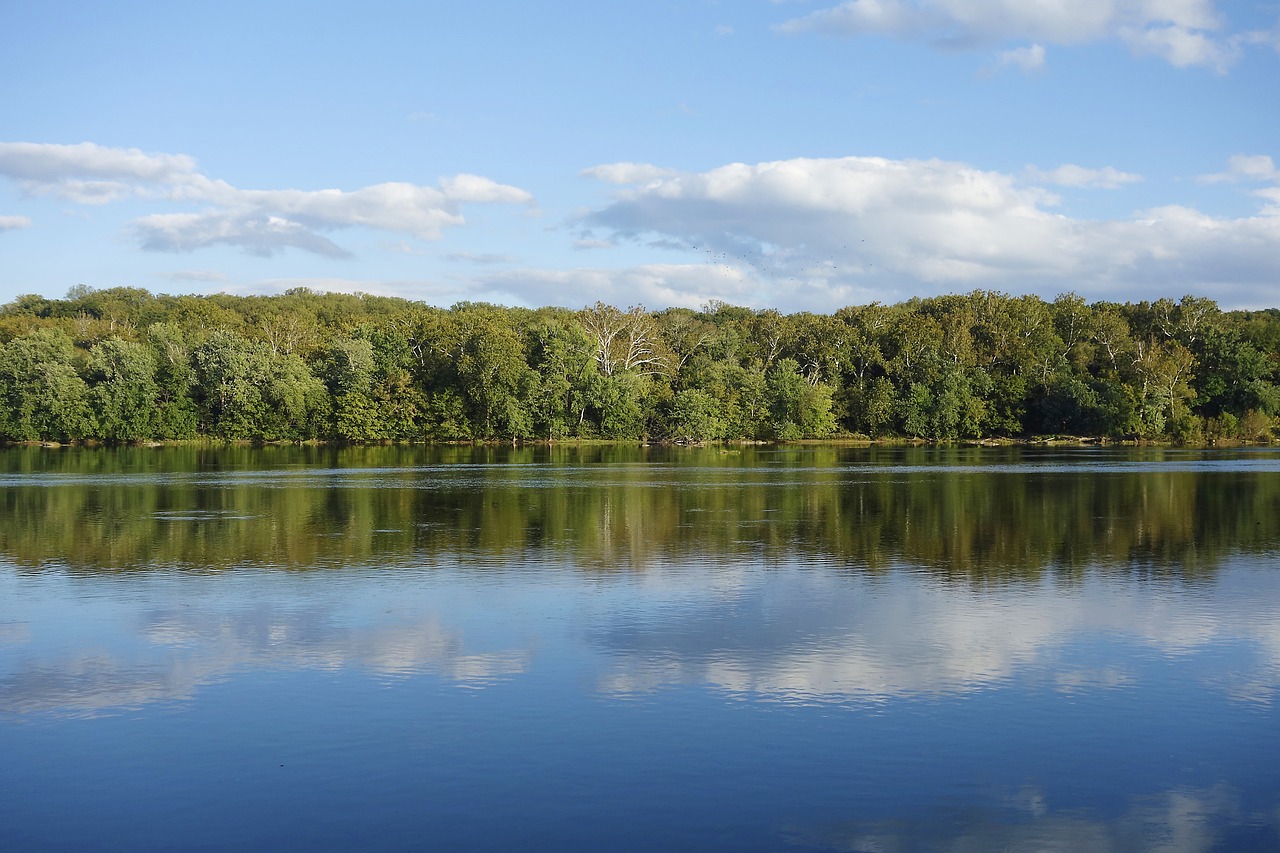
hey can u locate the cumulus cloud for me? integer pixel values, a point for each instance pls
(264, 222)
(896, 228)
(260, 222)
(1181, 47)
(1272, 196)
(89, 173)
(1071, 175)
(434, 292)
(867, 17)
(474, 188)
(1254, 169)
(1245, 167)
(1182, 32)
(12, 223)
(262, 236)
(653, 285)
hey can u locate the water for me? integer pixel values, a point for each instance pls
(640, 648)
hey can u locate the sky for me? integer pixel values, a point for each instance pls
(767, 153)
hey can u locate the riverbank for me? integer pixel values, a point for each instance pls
(837, 441)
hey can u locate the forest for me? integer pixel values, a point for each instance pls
(122, 366)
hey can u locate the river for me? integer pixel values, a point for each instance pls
(627, 648)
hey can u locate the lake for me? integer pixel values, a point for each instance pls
(627, 648)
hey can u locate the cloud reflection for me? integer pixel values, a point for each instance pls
(187, 648)
(1175, 821)
(794, 633)
(872, 639)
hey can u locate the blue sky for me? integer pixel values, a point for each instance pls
(798, 155)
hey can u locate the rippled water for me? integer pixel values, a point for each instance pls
(637, 649)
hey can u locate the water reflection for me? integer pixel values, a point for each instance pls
(840, 650)
(998, 516)
(804, 636)
(1175, 821)
(795, 633)
(89, 649)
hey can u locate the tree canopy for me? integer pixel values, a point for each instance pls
(123, 365)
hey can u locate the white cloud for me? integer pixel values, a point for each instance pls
(264, 222)
(1071, 175)
(474, 188)
(865, 17)
(896, 228)
(1183, 32)
(1025, 59)
(12, 223)
(628, 173)
(262, 236)
(652, 285)
(1181, 47)
(444, 291)
(261, 222)
(1245, 167)
(50, 162)
(1272, 196)
(196, 275)
(86, 173)
(432, 292)
(1266, 38)
(1252, 168)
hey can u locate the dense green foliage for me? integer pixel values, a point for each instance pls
(123, 365)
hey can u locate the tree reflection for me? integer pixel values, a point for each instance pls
(977, 515)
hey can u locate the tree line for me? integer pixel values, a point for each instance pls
(123, 365)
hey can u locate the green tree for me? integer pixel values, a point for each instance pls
(228, 371)
(695, 416)
(124, 393)
(617, 400)
(296, 402)
(495, 378)
(176, 414)
(562, 355)
(348, 372)
(42, 395)
(798, 408)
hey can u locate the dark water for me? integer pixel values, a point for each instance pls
(640, 649)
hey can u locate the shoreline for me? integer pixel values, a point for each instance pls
(837, 441)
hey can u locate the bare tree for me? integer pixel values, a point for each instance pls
(625, 340)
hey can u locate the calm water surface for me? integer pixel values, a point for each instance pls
(640, 649)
